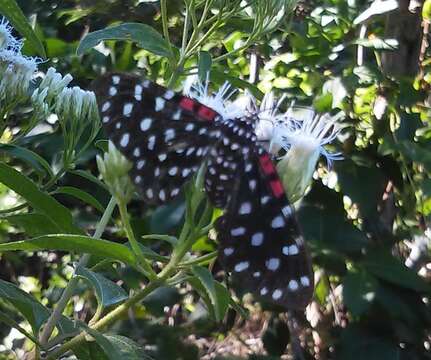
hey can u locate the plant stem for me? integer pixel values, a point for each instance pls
(71, 286)
(146, 267)
(186, 239)
(122, 309)
(165, 25)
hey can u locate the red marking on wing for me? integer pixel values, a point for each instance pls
(277, 188)
(206, 113)
(267, 165)
(187, 104)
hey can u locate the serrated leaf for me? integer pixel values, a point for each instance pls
(39, 200)
(77, 243)
(143, 35)
(107, 292)
(12, 12)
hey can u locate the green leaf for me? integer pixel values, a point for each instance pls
(377, 43)
(107, 292)
(102, 145)
(417, 153)
(4, 318)
(236, 82)
(89, 176)
(78, 243)
(116, 346)
(361, 344)
(384, 266)
(34, 224)
(81, 195)
(35, 313)
(11, 10)
(112, 351)
(143, 35)
(204, 65)
(376, 8)
(217, 293)
(39, 200)
(359, 291)
(128, 348)
(38, 163)
(161, 297)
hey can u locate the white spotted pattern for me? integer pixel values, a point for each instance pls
(160, 104)
(241, 266)
(146, 124)
(228, 251)
(238, 231)
(245, 208)
(277, 294)
(127, 109)
(272, 264)
(125, 140)
(293, 285)
(257, 239)
(277, 222)
(305, 281)
(112, 90)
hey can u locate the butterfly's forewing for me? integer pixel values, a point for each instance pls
(260, 242)
(165, 135)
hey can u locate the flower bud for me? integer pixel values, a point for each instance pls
(79, 119)
(114, 168)
(55, 83)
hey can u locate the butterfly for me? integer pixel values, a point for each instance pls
(168, 136)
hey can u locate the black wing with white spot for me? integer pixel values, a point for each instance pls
(260, 242)
(227, 157)
(165, 135)
(168, 136)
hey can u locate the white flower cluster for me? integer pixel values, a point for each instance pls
(76, 109)
(16, 70)
(301, 132)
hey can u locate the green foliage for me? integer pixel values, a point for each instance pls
(147, 284)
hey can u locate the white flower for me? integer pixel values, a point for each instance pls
(54, 82)
(16, 72)
(79, 120)
(218, 101)
(7, 40)
(77, 103)
(303, 135)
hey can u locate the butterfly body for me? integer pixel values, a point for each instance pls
(168, 136)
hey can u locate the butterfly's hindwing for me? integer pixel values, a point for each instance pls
(260, 242)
